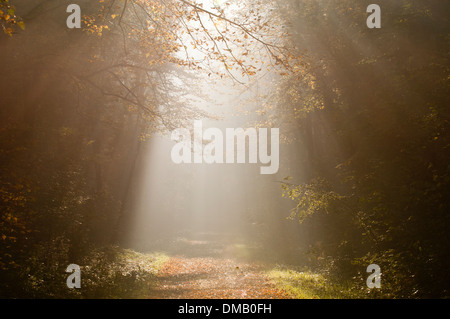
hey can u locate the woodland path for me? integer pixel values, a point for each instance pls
(205, 269)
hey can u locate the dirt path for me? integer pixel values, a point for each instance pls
(203, 272)
(202, 278)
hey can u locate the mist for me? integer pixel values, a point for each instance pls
(354, 98)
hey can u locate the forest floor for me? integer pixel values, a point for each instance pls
(207, 266)
(212, 268)
(204, 278)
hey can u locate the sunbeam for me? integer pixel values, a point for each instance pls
(224, 149)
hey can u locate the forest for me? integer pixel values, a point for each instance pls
(360, 169)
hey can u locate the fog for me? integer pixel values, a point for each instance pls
(229, 203)
(95, 102)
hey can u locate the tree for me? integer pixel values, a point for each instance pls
(370, 112)
(77, 103)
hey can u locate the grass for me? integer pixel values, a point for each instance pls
(307, 285)
(152, 262)
(128, 274)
